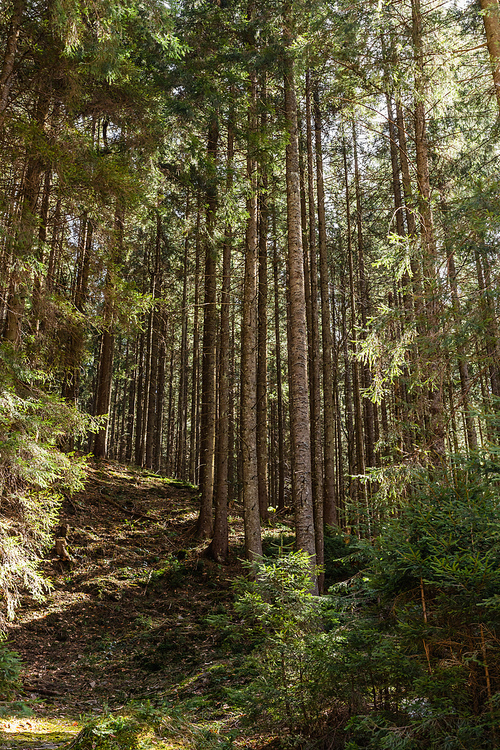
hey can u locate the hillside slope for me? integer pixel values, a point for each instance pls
(126, 618)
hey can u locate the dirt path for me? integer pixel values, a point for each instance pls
(126, 619)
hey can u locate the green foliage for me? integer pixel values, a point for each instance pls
(407, 642)
(425, 607)
(17, 709)
(10, 667)
(142, 726)
(33, 472)
(284, 621)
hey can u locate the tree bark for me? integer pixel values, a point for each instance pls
(250, 487)
(6, 75)
(279, 380)
(329, 365)
(195, 367)
(183, 375)
(208, 398)
(299, 387)
(219, 546)
(262, 441)
(315, 384)
(491, 19)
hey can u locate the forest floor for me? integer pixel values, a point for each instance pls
(127, 619)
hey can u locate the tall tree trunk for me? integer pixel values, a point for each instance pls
(153, 369)
(364, 305)
(74, 339)
(105, 375)
(219, 546)
(158, 429)
(208, 397)
(195, 391)
(183, 375)
(250, 487)
(435, 431)
(359, 490)
(132, 393)
(139, 402)
(262, 439)
(279, 380)
(463, 367)
(7, 72)
(299, 387)
(315, 382)
(491, 19)
(490, 325)
(329, 366)
(26, 225)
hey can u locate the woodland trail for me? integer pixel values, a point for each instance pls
(126, 619)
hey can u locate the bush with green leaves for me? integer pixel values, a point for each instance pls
(34, 473)
(428, 614)
(407, 646)
(10, 668)
(285, 623)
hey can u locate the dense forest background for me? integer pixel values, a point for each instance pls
(254, 247)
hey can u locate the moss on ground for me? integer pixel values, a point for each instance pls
(26, 733)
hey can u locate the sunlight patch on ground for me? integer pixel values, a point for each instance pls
(35, 732)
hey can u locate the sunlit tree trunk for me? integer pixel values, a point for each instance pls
(491, 19)
(299, 387)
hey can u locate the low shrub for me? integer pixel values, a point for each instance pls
(10, 668)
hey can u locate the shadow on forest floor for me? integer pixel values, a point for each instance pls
(126, 621)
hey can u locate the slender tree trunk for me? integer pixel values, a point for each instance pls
(153, 369)
(158, 429)
(132, 392)
(435, 432)
(262, 439)
(183, 375)
(208, 399)
(193, 435)
(146, 387)
(490, 328)
(104, 381)
(349, 410)
(74, 339)
(279, 381)
(463, 367)
(358, 420)
(219, 545)
(329, 366)
(7, 73)
(364, 305)
(315, 383)
(139, 402)
(25, 229)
